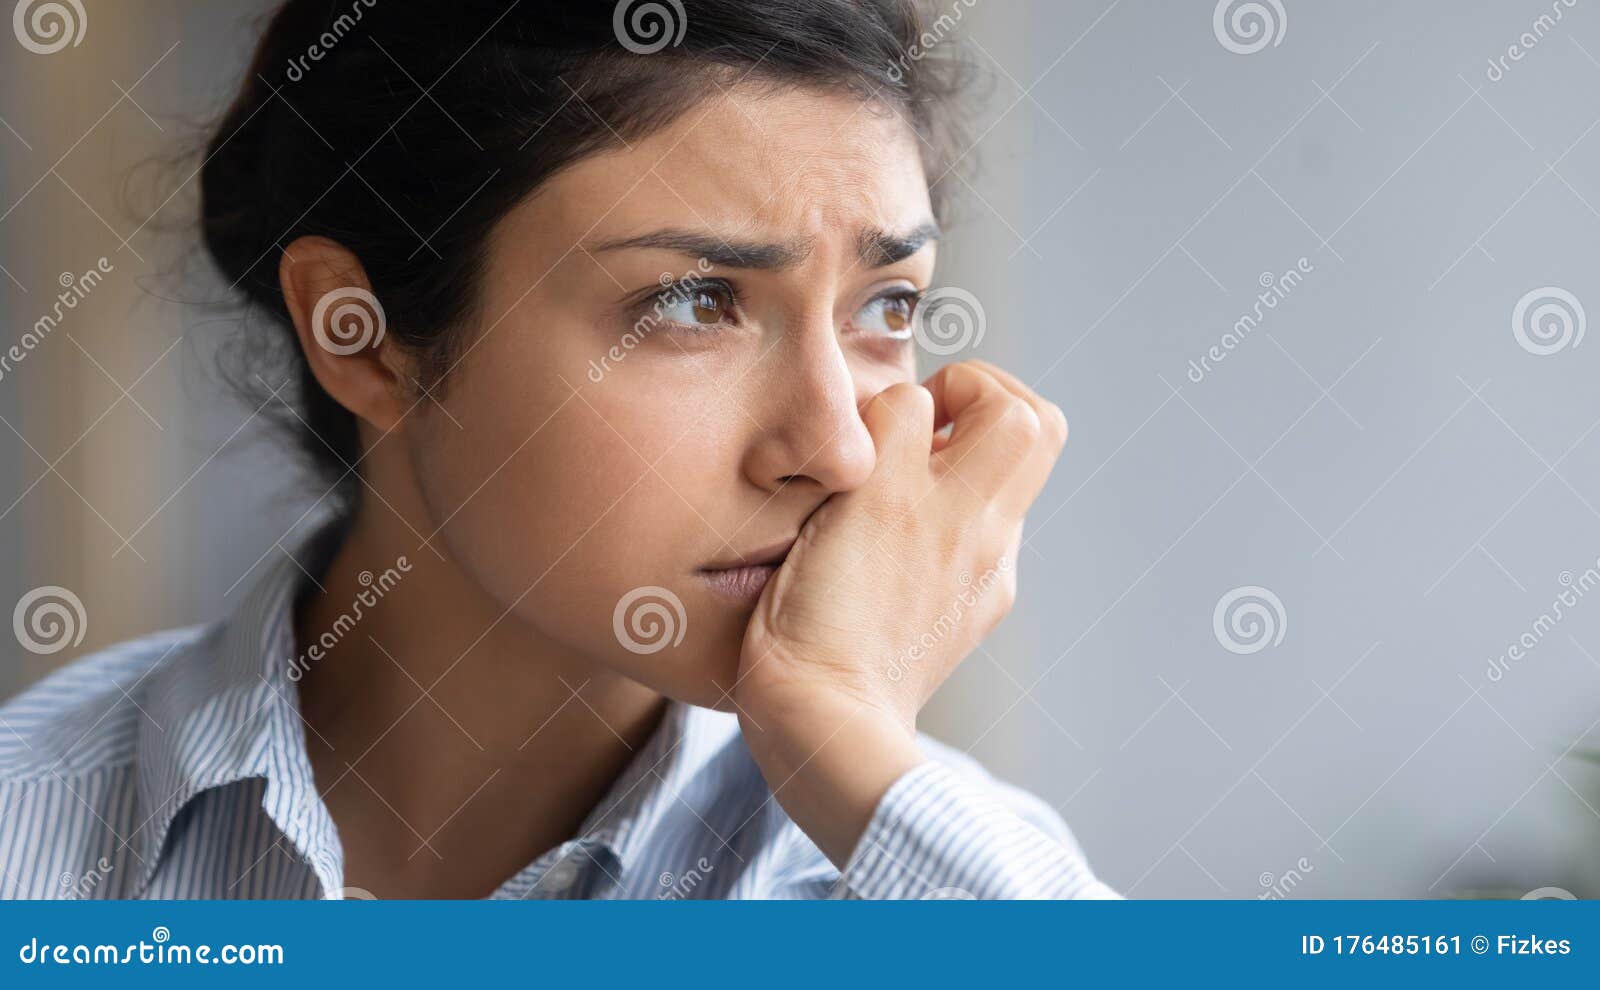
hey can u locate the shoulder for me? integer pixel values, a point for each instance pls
(69, 778)
(85, 716)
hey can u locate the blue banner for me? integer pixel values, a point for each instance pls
(1312, 943)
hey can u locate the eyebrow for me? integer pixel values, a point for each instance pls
(876, 248)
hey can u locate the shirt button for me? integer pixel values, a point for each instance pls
(559, 877)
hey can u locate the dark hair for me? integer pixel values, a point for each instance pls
(405, 129)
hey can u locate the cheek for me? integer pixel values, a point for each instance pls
(872, 373)
(560, 504)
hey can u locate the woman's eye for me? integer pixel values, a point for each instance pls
(888, 315)
(706, 305)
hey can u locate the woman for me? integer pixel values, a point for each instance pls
(641, 548)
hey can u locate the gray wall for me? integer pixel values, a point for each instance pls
(1380, 452)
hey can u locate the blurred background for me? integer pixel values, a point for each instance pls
(1307, 609)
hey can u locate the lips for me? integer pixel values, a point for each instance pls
(741, 579)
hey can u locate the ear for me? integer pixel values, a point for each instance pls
(343, 330)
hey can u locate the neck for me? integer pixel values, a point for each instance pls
(452, 744)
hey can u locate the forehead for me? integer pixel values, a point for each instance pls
(755, 161)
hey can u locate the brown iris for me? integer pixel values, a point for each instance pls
(897, 313)
(710, 304)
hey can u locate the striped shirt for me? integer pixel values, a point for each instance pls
(175, 766)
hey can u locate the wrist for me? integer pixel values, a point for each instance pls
(828, 758)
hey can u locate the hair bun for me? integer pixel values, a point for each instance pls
(237, 202)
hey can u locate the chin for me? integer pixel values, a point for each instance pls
(699, 679)
(700, 670)
(682, 641)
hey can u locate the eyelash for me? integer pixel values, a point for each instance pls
(656, 302)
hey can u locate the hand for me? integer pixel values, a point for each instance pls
(887, 589)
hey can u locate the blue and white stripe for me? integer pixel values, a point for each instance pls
(174, 766)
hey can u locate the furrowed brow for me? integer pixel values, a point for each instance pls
(714, 249)
(879, 248)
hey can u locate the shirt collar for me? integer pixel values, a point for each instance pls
(224, 710)
(627, 819)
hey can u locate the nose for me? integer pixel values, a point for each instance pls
(811, 430)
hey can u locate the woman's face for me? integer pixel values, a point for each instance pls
(602, 436)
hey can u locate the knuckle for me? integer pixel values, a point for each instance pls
(1018, 423)
(1054, 423)
(1006, 594)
